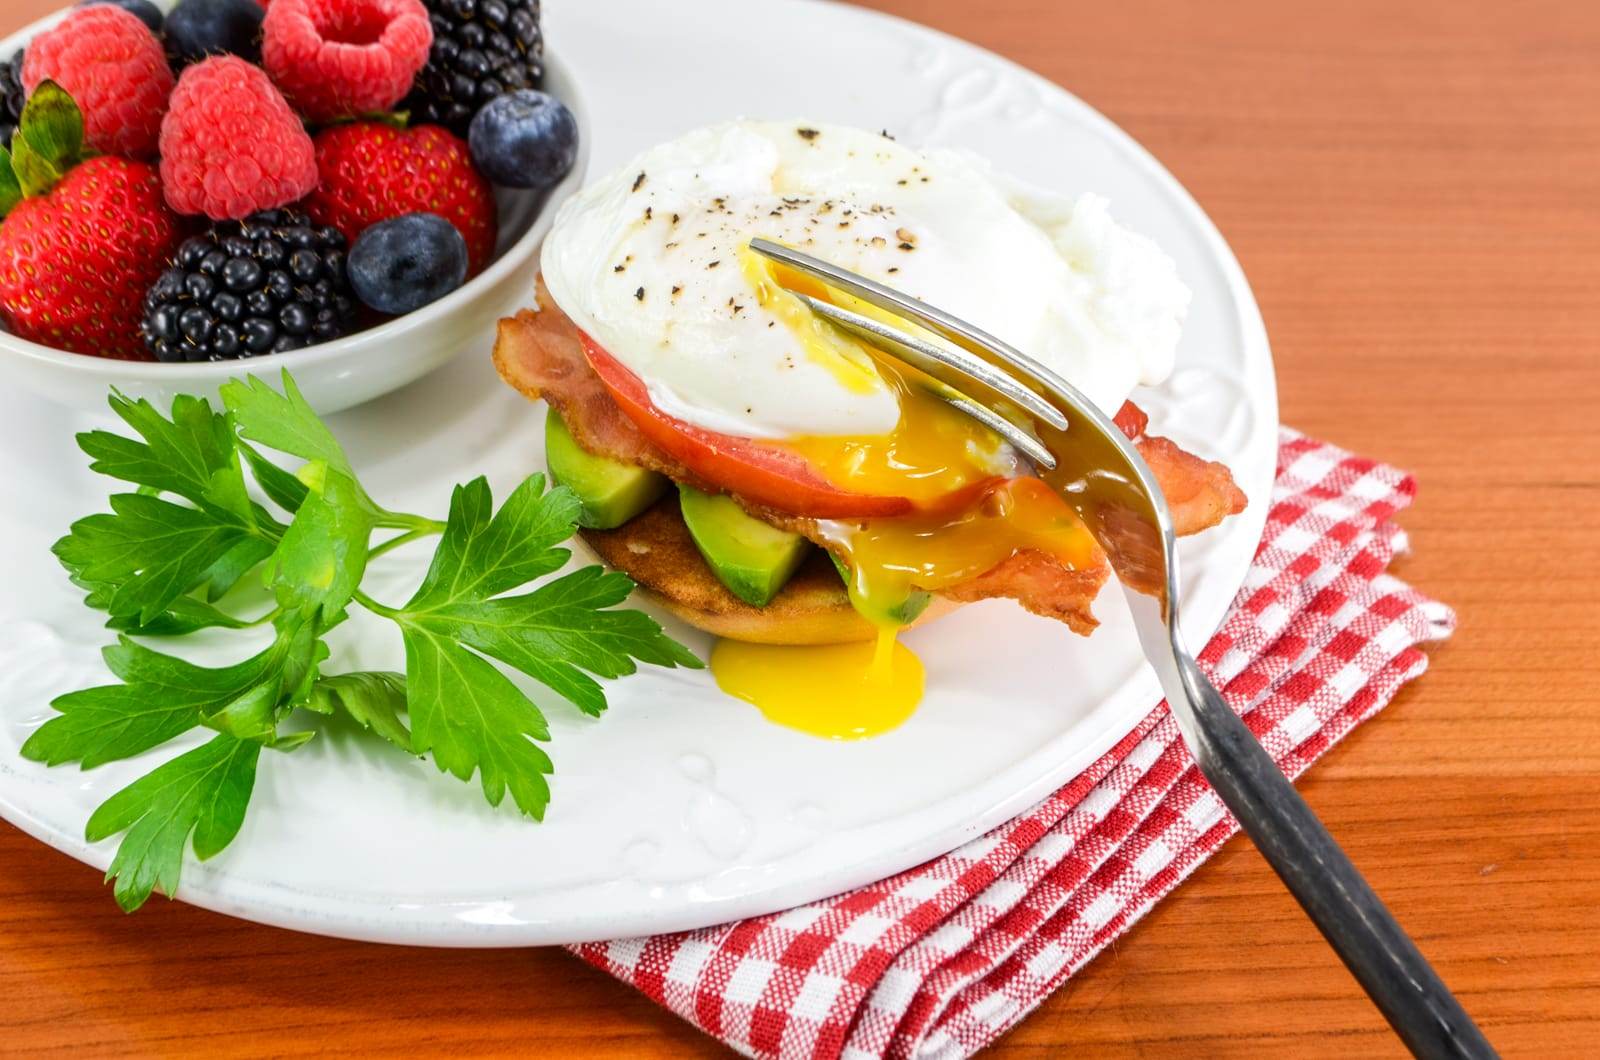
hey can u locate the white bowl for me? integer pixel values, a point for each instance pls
(359, 367)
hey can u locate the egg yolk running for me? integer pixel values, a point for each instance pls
(979, 507)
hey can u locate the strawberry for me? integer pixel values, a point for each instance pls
(81, 240)
(371, 172)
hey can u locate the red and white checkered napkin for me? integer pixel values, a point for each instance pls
(942, 959)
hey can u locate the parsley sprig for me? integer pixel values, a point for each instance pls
(167, 557)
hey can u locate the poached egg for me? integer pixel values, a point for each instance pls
(653, 263)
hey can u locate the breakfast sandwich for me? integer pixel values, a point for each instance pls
(769, 478)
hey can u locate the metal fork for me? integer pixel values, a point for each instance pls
(1079, 451)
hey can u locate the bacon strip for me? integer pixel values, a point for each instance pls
(539, 354)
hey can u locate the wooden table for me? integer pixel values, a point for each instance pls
(1413, 187)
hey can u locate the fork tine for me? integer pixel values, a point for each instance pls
(929, 358)
(1030, 446)
(1097, 470)
(983, 345)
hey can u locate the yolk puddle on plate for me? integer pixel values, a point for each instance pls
(835, 691)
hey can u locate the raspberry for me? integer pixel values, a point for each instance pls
(114, 69)
(339, 58)
(230, 145)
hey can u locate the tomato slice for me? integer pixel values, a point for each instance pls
(766, 474)
(1131, 420)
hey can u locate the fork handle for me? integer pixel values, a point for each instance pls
(1358, 926)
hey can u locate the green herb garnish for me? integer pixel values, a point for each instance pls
(164, 562)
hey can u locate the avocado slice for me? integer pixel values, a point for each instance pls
(902, 613)
(752, 559)
(610, 491)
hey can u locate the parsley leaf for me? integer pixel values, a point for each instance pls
(162, 696)
(561, 629)
(282, 421)
(471, 718)
(234, 564)
(148, 552)
(286, 491)
(483, 553)
(140, 561)
(183, 615)
(462, 709)
(204, 792)
(164, 559)
(290, 667)
(374, 699)
(322, 557)
(191, 455)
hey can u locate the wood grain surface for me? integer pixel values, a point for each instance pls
(1413, 187)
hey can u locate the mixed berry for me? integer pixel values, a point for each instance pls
(272, 282)
(480, 49)
(199, 28)
(240, 178)
(12, 96)
(143, 10)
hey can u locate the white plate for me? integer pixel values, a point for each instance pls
(681, 807)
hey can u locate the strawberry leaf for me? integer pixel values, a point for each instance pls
(52, 126)
(10, 187)
(35, 175)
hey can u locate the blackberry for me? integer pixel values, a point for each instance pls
(12, 97)
(481, 48)
(270, 283)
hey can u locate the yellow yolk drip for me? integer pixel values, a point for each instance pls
(835, 691)
(823, 344)
(932, 451)
(847, 691)
(892, 559)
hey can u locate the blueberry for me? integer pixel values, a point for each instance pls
(143, 10)
(406, 262)
(198, 28)
(524, 139)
